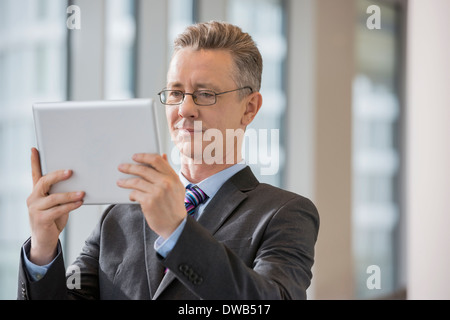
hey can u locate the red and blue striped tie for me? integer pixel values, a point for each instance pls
(194, 196)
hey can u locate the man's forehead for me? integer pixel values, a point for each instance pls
(200, 68)
(201, 59)
(195, 84)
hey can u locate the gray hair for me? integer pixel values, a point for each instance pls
(220, 35)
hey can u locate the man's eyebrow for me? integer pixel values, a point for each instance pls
(175, 85)
(205, 85)
(201, 85)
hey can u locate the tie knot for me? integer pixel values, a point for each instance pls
(194, 196)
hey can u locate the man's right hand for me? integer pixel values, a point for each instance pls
(48, 213)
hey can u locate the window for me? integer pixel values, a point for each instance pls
(32, 68)
(120, 48)
(181, 14)
(376, 152)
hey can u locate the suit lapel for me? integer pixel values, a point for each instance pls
(221, 207)
(229, 196)
(166, 280)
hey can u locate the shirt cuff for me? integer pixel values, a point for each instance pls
(36, 272)
(164, 246)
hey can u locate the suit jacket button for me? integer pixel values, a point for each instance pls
(197, 281)
(183, 268)
(24, 291)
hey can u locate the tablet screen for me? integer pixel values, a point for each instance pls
(92, 138)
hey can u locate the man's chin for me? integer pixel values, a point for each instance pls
(188, 153)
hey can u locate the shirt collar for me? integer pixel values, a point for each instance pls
(212, 184)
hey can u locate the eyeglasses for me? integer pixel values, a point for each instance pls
(200, 97)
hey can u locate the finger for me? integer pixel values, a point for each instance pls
(137, 196)
(135, 184)
(45, 183)
(36, 171)
(59, 211)
(144, 171)
(154, 160)
(60, 199)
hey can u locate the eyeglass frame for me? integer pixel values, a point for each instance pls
(196, 92)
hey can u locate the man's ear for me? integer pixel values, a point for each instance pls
(252, 106)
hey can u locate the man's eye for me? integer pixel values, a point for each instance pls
(205, 94)
(175, 94)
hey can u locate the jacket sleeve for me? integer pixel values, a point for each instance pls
(280, 268)
(56, 284)
(51, 287)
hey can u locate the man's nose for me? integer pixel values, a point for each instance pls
(188, 109)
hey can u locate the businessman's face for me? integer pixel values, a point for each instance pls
(192, 70)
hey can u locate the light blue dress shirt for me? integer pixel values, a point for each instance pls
(210, 186)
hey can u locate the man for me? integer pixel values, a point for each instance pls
(237, 239)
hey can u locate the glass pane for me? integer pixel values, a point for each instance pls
(376, 156)
(181, 15)
(32, 68)
(120, 49)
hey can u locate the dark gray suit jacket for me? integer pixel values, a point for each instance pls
(253, 241)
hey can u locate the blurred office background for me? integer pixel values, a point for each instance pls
(363, 118)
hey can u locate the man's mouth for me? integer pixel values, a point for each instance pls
(185, 129)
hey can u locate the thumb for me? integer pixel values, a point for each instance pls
(35, 166)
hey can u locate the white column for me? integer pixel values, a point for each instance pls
(428, 149)
(87, 52)
(153, 57)
(300, 114)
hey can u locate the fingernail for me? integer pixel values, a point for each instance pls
(67, 172)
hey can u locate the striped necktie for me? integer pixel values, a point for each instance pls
(194, 196)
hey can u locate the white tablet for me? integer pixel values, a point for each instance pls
(93, 138)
